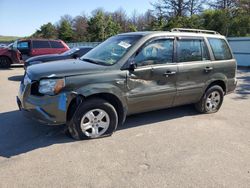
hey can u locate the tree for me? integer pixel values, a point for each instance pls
(193, 21)
(120, 17)
(132, 28)
(67, 18)
(223, 4)
(245, 6)
(80, 27)
(240, 25)
(112, 28)
(217, 20)
(65, 31)
(96, 29)
(171, 8)
(149, 20)
(229, 17)
(195, 6)
(47, 31)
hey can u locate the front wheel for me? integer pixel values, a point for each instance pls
(211, 100)
(95, 118)
(5, 62)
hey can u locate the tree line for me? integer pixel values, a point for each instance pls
(229, 17)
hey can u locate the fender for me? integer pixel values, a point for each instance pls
(216, 77)
(102, 88)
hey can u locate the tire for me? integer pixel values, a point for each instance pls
(5, 62)
(211, 100)
(94, 118)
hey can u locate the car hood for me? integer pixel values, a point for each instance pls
(63, 68)
(3, 50)
(42, 57)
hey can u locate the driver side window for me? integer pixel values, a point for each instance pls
(156, 52)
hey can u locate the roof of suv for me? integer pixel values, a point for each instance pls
(38, 40)
(176, 32)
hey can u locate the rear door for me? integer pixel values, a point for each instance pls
(152, 85)
(194, 69)
(40, 47)
(24, 48)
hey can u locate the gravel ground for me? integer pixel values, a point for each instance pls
(168, 148)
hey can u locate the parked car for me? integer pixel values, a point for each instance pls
(3, 45)
(72, 53)
(23, 49)
(127, 74)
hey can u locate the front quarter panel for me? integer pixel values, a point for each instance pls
(107, 82)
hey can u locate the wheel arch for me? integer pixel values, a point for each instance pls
(220, 83)
(78, 99)
(11, 62)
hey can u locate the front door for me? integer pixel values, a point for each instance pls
(24, 49)
(152, 85)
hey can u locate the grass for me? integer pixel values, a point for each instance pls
(8, 38)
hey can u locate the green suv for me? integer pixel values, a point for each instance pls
(127, 74)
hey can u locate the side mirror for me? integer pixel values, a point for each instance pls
(132, 64)
(76, 55)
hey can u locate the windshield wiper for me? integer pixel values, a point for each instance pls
(93, 61)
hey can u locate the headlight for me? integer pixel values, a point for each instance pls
(51, 86)
(26, 80)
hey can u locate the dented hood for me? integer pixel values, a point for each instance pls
(63, 68)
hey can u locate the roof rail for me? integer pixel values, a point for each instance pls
(195, 31)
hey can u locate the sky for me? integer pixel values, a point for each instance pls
(23, 17)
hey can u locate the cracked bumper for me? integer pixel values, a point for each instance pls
(50, 110)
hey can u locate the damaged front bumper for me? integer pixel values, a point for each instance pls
(50, 110)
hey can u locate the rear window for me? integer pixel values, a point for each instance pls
(56, 44)
(41, 44)
(220, 49)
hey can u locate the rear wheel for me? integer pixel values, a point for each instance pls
(211, 100)
(95, 118)
(4, 62)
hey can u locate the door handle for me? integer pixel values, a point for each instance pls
(208, 69)
(169, 73)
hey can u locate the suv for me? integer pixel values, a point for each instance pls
(21, 50)
(127, 74)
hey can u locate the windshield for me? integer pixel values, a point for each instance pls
(112, 50)
(71, 51)
(10, 45)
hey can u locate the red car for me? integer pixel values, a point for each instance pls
(21, 50)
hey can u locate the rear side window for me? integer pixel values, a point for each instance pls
(192, 50)
(220, 49)
(56, 44)
(41, 44)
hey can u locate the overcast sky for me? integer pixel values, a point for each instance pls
(23, 17)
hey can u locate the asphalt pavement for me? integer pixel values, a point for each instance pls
(175, 147)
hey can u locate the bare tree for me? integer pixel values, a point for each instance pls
(223, 4)
(171, 8)
(80, 26)
(195, 6)
(120, 17)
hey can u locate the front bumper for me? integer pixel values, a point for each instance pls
(50, 110)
